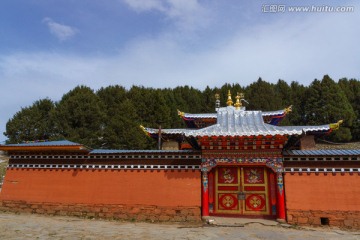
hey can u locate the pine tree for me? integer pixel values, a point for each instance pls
(31, 123)
(351, 89)
(209, 100)
(261, 95)
(297, 115)
(121, 125)
(327, 103)
(79, 117)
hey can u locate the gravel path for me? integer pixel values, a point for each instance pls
(30, 226)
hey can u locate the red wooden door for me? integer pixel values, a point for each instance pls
(241, 190)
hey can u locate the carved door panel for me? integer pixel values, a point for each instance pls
(241, 190)
(227, 181)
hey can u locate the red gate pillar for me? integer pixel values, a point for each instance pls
(281, 217)
(205, 195)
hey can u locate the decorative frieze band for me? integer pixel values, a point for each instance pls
(98, 166)
(106, 157)
(322, 170)
(325, 158)
(275, 164)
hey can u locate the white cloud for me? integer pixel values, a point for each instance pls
(323, 46)
(62, 32)
(271, 51)
(141, 6)
(187, 14)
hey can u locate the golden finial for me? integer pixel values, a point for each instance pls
(144, 130)
(335, 126)
(229, 101)
(217, 101)
(238, 104)
(181, 114)
(288, 109)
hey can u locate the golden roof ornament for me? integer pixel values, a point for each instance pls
(229, 101)
(288, 109)
(217, 101)
(335, 126)
(181, 114)
(144, 130)
(238, 104)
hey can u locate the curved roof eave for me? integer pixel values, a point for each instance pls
(214, 115)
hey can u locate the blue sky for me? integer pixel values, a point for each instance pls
(48, 47)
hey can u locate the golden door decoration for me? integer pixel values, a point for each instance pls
(241, 190)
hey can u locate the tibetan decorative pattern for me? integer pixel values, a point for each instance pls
(227, 176)
(255, 202)
(205, 181)
(228, 202)
(254, 175)
(276, 164)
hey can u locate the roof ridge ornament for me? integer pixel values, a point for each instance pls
(144, 130)
(217, 101)
(335, 126)
(238, 104)
(229, 101)
(288, 109)
(180, 113)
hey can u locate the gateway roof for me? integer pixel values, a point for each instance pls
(238, 122)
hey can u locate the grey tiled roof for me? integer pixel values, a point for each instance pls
(305, 129)
(273, 113)
(165, 131)
(40, 144)
(214, 115)
(200, 115)
(233, 122)
(321, 152)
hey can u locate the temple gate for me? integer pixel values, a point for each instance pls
(242, 161)
(243, 187)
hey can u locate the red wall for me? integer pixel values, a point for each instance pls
(158, 187)
(323, 192)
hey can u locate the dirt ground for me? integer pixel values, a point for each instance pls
(30, 226)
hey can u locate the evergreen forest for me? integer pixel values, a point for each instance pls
(110, 117)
